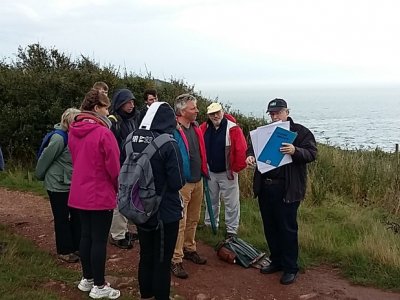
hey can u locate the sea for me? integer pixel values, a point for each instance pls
(364, 118)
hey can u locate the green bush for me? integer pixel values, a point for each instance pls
(40, 83)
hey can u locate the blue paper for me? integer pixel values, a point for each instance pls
(271, 154)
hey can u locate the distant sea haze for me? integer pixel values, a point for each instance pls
(351, 118)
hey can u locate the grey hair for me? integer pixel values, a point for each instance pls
(181, 102)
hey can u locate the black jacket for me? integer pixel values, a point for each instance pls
(166, 163)
(123, 123)
(295, 173)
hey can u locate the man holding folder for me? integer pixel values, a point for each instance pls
(280, 192)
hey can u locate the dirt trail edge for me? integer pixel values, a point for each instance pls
(30, 216)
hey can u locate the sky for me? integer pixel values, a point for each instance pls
(219, 45)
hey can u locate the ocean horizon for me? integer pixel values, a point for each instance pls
(348, 117)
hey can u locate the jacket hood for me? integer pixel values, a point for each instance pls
(230, 117)
(119, 98)
(86, 122)
(160, 117)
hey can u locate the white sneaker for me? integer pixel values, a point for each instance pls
(85, 285)
(106, 292)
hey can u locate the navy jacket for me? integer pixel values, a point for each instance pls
(295, 173)
(166, 162)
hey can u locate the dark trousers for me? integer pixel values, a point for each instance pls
(280, 226)
(67, 225)
(95, 228)
(154, 275)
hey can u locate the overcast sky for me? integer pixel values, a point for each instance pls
(218, 45)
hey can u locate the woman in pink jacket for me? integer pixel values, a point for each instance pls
(95, 159)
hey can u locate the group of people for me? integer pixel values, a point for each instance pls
(82, 184)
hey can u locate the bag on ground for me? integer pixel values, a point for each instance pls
(137, 197)
(236, 250)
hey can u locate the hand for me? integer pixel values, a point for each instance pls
(251, 161)
(287, 148)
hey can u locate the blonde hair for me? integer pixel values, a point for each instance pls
(68, 116)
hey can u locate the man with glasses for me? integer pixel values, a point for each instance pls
(280, 192)
(226, 157)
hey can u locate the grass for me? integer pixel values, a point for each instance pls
(25, 270)
(357, 240)
(23, 180)
(346, 236)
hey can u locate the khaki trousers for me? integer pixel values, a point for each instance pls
(192, 194)
(119, 225)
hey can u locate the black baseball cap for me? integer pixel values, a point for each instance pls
(276, 105)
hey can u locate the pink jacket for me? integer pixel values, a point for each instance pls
(95, 160)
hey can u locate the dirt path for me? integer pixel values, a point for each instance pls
(30, 216)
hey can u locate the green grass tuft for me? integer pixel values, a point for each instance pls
(25, 270)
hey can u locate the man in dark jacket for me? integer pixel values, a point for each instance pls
(125, 119)
(154, 273)
(280, 192)
(149, 96)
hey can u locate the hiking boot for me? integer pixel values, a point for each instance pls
(178, 270)
(194, 257)
(69, 258)
(85, 285)
(123, 244)
(105, 292)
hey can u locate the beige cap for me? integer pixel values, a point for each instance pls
(214, 107)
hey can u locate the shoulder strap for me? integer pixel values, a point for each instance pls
(112, 118)
(157, 143)
(64, 134)
(150, 148)
(128, 144)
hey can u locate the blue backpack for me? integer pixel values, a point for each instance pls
(47, 137)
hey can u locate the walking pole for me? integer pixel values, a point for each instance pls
(209, 205)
